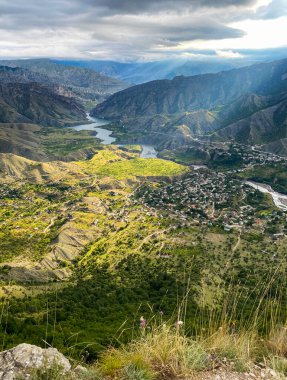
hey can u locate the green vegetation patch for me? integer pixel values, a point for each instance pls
(116, 163)
(145, 167)
(66, 141)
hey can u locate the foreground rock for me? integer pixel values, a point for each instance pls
(22, 360)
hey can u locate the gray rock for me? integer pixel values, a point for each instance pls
(24, 358)
(80, 370)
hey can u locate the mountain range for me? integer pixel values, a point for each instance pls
(40, 94)
(140, 72)
(82, 83)
(246, 104)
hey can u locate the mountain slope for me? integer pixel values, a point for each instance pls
(21, 139)
(26, 96)
(33, 102)
(14, 167)
(203, 104)
(268, 125)
(20, 75)
(82, 82)
(32, 108)
(190, 93)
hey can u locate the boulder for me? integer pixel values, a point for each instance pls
(80, 370)
(22, 360)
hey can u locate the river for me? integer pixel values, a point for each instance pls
(280, 200)
(148, 151)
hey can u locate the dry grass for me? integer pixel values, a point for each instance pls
(162, 352)
(277, 341)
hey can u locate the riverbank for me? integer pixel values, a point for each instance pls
(280, 200)
(105, 135)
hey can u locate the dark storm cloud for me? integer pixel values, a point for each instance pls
(171, 34)
(107, 19)
(135, 6)
(18, 14)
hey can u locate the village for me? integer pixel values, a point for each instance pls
(257, 156)
(216, 200)
(235, 155)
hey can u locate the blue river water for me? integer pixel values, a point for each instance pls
(96, 125)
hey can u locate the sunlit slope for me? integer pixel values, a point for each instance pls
(51, 211)
(115, 163)
(110, 162)
(14, 167)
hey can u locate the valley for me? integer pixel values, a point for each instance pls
(130, 227)
(246, 105)
(134, 212)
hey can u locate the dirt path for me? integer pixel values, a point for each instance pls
(237, 243)
(52, 222)
(152, 235)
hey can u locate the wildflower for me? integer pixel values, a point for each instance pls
(142, 322)
(179, 323)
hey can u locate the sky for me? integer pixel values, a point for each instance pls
(141, 30)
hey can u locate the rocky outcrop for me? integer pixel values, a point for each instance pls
(21, 361)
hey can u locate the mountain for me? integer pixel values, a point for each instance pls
(263, 126)
(20, 75)
(21, 139)
(35, 103)
(83, 83)
(30, 102)
(28, 97)
(137, 73)
(190, 106)
(185, 94)
(141, 72)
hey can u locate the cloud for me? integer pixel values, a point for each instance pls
(138, 6)
(228, 54)
(273, 10)
(119, 29)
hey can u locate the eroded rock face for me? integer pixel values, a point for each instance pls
(21, 360)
